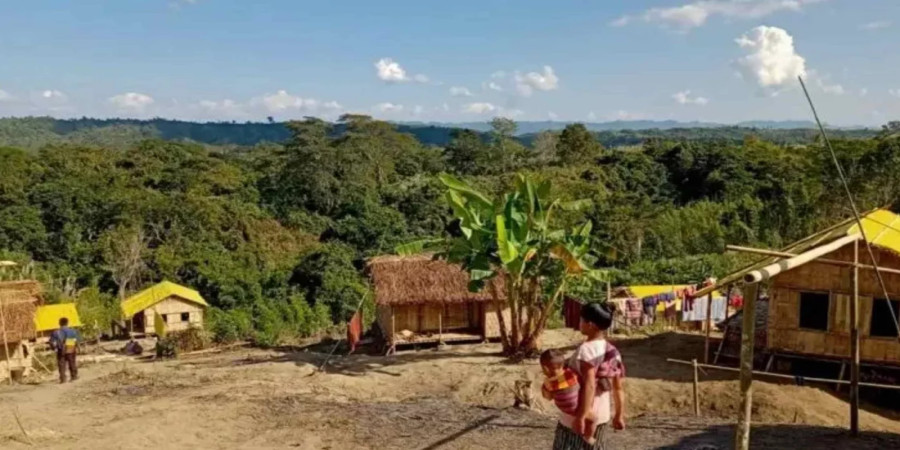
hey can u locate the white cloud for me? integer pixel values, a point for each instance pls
(876, 25)
(552, 115)
(479, 108)
(224, 108)
(332, 105)
(5, 95)
(284, 101)
(52, 94)
(625, 115)
(445, 107)
(684, 98)
(835, 89)
(771, 59)
(418, 110)
(131, 101)
(592, 116)
(490, 85)
(459, 91)
(543, 81)
(498, 75)
(388, 107)
(695, 14)
(390, 71)
(510, 113)
(863, 92)
(894, 92)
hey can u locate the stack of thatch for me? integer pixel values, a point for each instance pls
(19, 301)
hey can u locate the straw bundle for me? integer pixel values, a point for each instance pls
(407, 280)
(18, 309)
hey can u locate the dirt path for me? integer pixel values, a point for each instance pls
(453, 399)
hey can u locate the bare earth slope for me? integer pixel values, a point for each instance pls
(453, 399)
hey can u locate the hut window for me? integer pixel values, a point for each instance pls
(814, 311)
(881, 324)
(185, 317)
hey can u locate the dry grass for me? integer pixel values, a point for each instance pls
(418, 279)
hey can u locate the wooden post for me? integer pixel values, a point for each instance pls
(742, 434)
(393, 333)
(696, 389)
(5, 342)
(854, 345)
(709, 300)
(721, 344)
(441, 326)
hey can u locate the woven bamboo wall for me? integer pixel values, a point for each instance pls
(491, 325)
(172, 308)
(784, 333)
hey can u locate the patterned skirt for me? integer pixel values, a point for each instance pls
(566, 439)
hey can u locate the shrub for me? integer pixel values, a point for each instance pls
(229, 326)
(97, 312)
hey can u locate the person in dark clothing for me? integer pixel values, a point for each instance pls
(65, 341)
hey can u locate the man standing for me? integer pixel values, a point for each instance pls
(65, 341)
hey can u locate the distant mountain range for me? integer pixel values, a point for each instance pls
(36, 132)
(528, 127)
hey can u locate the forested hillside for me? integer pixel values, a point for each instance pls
(35, 132)
(275, 235)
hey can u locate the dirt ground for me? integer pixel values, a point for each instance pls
(455, 398)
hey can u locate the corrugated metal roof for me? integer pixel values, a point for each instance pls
(157, 293)
(47, 317)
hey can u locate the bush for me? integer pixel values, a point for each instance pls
(97, 312)
(166, 348)
(229, 326)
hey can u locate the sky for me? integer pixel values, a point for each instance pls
(568, 60)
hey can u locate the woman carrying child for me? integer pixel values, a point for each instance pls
(600, 371)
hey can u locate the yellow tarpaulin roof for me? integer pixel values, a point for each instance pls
(157, 293)
(881, 228)
(641, 291)
(46, 318)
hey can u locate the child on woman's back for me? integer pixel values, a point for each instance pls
(561, 386)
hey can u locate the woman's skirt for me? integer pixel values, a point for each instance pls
(566, 439)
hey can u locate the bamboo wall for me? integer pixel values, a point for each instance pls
(471, 317)
(784, 332)
(172, 308)
(491, 325)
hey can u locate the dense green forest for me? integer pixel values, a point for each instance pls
(275, 235)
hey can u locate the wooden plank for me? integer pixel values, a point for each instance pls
(742, 434)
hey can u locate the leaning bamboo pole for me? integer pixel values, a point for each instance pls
(854, 345)
(834, 262)
(762, 274)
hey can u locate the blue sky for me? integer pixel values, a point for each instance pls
(585, 60)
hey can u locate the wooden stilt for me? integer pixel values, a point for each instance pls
(393, 333)
(837, 387)
(742, 434)
(721, 344)
(5, 341)
(441, 326)
(709, 300)
(696, 389)
(854, 345)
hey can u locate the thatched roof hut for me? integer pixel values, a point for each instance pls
(19, 300)
(420, 299)
(419, 279)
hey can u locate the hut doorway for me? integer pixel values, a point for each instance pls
(137, 323)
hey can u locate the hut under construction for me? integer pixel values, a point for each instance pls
(18, 302)
(809, 295)
(422, 300)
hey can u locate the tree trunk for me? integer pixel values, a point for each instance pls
(513, 300)
(498, 309)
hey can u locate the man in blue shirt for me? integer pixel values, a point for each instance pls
(65, 341)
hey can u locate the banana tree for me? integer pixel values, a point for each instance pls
(513, 237)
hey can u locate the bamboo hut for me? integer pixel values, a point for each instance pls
(421, 300)
(809, 304)
(179, 308)
(18, 303)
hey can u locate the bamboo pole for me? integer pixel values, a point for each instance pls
(834, 262)
(742, 434)
(755, 276)
(696, 388)
(782, 376)
(709, 300)
(854, 346)
(5, 341)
